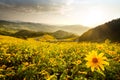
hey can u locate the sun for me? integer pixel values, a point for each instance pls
(93, 17)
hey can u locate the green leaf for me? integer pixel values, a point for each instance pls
(99, 71)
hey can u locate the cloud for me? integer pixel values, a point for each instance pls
(34, 5)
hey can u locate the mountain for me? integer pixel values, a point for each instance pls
(109, 30)
(27, 26)
(60, 34)
(28, 34)
(76, 29)
(16, 26)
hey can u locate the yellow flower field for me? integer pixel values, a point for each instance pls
(35, 60)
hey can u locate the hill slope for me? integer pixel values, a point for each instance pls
(26, 26)
(76, 29)
(109, 30)
(28, 34)
(16, 26)
(60, 34)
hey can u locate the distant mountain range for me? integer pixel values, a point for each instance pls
(27, 26)
(109, 30)
(32, 34)
(76, 29)
(31, 30)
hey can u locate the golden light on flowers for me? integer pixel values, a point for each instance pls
(77, 62)
(96, 61)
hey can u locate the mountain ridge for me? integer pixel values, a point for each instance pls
(76, 29)
(109, 30)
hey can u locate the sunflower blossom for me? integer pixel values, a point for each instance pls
(96, 61)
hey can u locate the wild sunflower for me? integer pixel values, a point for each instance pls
(96, 61)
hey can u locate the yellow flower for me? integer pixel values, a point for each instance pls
(77, 62)
(96, 61)
(25, 63)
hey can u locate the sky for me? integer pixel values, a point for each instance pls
(61, 12)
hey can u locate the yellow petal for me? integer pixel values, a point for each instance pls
(88, 58)
(106, 63)
(98, 68)
(101, 54)
(88, 64)
(104, 58)
(92, 68)
(94, 53)
(102, 67)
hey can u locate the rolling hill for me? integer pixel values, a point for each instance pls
(16, 26)
(26, 26)
(109, 30)
(28, 34)
(76, 29)
(60, 34)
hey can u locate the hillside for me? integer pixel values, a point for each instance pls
(28, 34)
(109, 30)
(60, 34)
(40, 27)
(26, 26)
(25, 34)
(76, 29)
